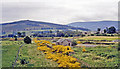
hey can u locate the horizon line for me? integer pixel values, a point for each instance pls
(53, 22)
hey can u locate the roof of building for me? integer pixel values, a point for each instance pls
(61, 40)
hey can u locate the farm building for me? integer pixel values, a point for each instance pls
(65, 42)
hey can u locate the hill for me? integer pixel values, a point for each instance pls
(26, 25)
(95, 24)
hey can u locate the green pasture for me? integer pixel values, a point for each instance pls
(98, 56)
(101, 56)
(28, 52)
(98, 38)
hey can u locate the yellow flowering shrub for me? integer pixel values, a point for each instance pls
(78, 42)
(57, 53)
(109, 47)
(53, 44)
(83, 49)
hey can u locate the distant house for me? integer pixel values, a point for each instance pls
(65, 42)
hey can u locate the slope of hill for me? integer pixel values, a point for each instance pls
(95, 24)
(26, 25)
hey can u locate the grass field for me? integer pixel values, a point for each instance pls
(9, 51)
(99, 38)
(94, 56)
(98, 56)
(28, 52)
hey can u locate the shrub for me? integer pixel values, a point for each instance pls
(23, 61)
(27, 40)
(78, 42)
(58, 53)
(84, 50)
(111, 56)
(15, 38)
(74, 43)
(91, 50)
(119, 48)
(92, 34)
(66, 35)
(82, 35)
(102, 54)
(96, 58)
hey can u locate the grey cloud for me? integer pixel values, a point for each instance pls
(60, 11)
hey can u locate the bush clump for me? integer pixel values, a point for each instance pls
(96, 58)
(111, 56)
(27, 40)
(74, 43)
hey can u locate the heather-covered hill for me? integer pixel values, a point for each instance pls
(95, 24)
(26, 25)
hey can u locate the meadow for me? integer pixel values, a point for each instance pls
(99, 38)
(28, 52)
(100, 56)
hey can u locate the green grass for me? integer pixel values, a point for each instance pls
(9, 51)
(35, 57)
(94, 56)
(98, 56)
(99, 38)
(28, 52)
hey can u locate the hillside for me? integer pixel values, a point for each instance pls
(26, 25)
(95, 24)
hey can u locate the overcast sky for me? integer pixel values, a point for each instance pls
(59, 11)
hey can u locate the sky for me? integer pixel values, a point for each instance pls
(59, 11)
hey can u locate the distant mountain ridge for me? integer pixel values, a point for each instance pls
(93, 25)
(24, 25)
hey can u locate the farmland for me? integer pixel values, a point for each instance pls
(99, 56)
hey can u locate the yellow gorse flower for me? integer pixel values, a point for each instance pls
(83, 49)
(57, 53)
(78, 42)
(109, 47)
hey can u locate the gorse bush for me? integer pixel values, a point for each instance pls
(57, 53)
(84, 50)
(78, 42)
